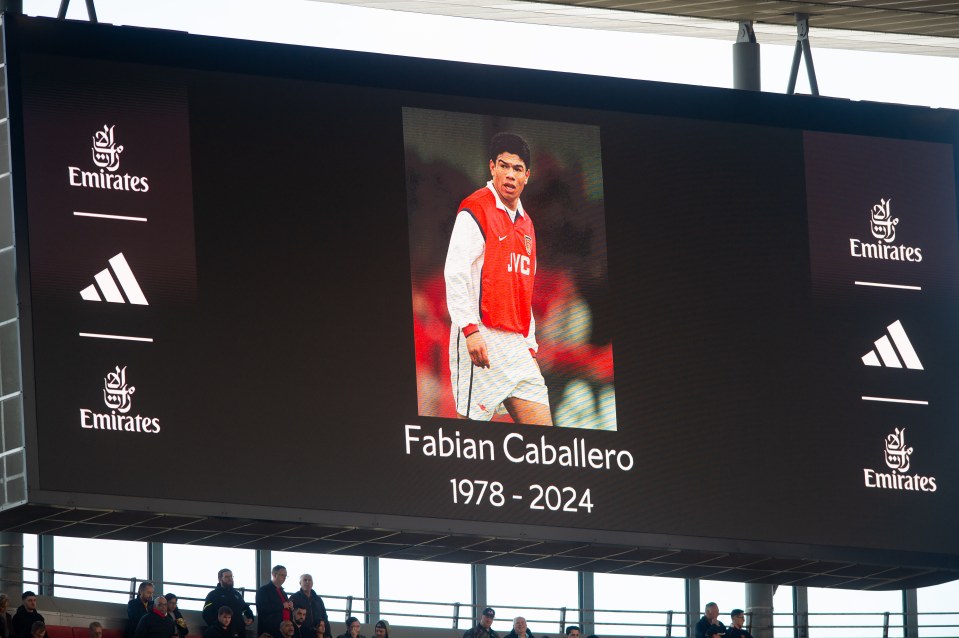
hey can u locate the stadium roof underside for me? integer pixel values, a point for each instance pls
(929, 27)
(845, 571)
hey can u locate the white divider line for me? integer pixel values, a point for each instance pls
(125, 218)
(96, 335)
(891, 400)
(882, 285)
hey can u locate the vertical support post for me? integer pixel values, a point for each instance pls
(11, 564)
(885, 624)
(910, 612)
(456, 616)
(759, 607)
(669, 623)
(371, 585)
(802, 46)
(693, 605)
(800, 612)
(587, 603)
(45, 546)
(746, 67)
(155, 566)
(264, 568)
(479, 592)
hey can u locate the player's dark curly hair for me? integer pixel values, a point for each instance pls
(509, 143)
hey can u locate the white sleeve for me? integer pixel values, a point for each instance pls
(464, 264)
(531, 339)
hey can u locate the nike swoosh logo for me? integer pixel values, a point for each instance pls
(504, 237)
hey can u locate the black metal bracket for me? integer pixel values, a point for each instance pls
(65, 4)
(802, 46)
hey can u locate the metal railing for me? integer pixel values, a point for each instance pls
(460, 616)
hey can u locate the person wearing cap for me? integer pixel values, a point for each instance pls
(738, 618)
(573, 631)
(709, 624)
(484, 627)
(26, 615)
(381, 629)
(520, 630)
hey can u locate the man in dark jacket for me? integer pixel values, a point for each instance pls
(155, 623)
(272, 604)
(483, 628)
(310, 601)
(738, 617)
(138, 607)
(226, 596)
(26, 615)
(223, 627)
(520, 630)
(709, 625)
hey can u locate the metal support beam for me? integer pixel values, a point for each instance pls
(65, 4)
(155, 566)
(693, 605)
(587, 603)
(759, 609)
(802, 47)
(11, 564)
(746, 75)
(371, 585)
(910, 613)
(800, 612)
(264, 567)
(45, 545)
(479, 592)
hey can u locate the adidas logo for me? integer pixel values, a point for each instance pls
(108, 285)
(888, 350)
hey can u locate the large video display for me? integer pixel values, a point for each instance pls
(671, 301)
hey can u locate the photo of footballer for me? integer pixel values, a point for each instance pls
(509, 280)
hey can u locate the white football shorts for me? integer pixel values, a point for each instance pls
(479, 392)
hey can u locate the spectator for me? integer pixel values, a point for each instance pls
(225, 595)
(38, 629)
(138, 607)
(323, 629)
(224, 627)
(381, 629)
(287, 629)
(738, 619)
(272, 604)
(484, 626)
(352, 628)
(6, 620)
(155, 623)
(95, 629)
(310, 601)
(175, 615)
(520, 629)
(709, 624)
(300, 629)
(573, 631)
(26, 615)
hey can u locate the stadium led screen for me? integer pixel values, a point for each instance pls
(238, 263)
